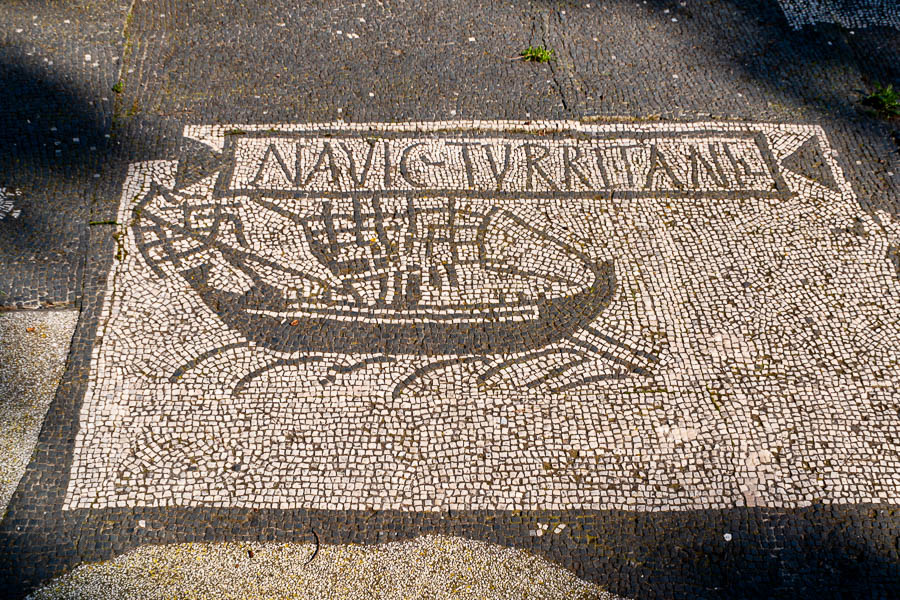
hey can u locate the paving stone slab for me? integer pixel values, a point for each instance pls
(662, 355)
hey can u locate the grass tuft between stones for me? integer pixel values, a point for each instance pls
(885, 100)
(536, 54)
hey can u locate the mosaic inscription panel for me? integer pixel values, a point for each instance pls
(494, 316)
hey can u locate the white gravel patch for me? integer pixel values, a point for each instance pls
(430, 567)
(33, 350)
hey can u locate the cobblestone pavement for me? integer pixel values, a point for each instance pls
(353, 273)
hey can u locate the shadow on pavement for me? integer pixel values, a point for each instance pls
(52, 143)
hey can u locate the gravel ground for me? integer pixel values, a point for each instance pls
(426, 567)
(33, 348)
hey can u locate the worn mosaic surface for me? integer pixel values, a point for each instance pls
(434, 316)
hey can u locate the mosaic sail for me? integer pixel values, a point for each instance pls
(396, 276)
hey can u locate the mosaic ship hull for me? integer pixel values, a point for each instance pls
(261, 316)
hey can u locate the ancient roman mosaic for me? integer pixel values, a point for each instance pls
(494, 315)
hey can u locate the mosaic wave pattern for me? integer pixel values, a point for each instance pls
(494, 315)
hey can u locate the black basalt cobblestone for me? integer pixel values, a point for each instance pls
(57, 65)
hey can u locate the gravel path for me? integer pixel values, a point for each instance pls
(33, 348)
(427, 567)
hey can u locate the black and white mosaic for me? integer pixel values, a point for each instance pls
(493, 316)
(846, 13)
(8, 208)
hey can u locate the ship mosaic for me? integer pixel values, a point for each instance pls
(493, 315)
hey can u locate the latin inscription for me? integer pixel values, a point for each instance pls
(658, 164)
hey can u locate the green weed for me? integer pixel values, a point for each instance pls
(884, 100)
(537, 54)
